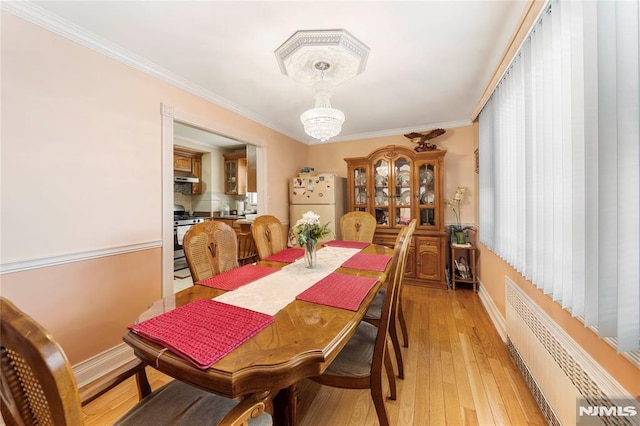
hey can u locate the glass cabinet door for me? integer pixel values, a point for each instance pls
(381, 172)
(427, 195)
(402, 191)
(360, 196)
(230, 175)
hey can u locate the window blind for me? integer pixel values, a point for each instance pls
(560, 158)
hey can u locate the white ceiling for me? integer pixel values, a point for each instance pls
(429, 64)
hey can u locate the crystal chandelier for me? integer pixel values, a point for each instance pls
(322, 122)
(322, 59)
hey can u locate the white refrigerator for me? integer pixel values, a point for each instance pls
(324, 194)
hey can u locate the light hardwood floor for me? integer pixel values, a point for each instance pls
(457, 372)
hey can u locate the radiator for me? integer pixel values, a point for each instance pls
(557, 370)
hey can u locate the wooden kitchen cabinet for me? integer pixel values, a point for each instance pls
(235, 173)
(196, 169)
(397, 184)
(186, 161)
(229, 221)
(181, 163)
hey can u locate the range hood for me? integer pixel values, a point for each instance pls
(185, 178)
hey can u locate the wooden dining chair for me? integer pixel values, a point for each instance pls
(210, 248)
(247, 252)
(268, 235)
(38, 386)
(374, 312)
(360, 364)
(358, 226)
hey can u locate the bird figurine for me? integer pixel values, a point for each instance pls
(422, 139)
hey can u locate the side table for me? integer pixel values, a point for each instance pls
(463, 265)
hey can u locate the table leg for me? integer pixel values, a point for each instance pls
(285, 407)
(293, 404)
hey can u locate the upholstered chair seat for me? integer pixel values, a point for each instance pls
(356, 357)
(179, 404)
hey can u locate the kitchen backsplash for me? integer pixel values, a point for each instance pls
(209, 201)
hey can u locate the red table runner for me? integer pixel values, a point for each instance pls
(237, 277)
(204, 330)
(288, 255)
(339, 290)
(346, 244)
(369, 262)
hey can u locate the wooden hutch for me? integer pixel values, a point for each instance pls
(397, 184)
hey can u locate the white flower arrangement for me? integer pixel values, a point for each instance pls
(309, 229)
(454, 204)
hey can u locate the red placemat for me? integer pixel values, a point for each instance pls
(368, 262)
(346, 244)
(288, 255)
(237, 277)
(204, 330)
(339, 290)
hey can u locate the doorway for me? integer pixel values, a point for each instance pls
(172, 119)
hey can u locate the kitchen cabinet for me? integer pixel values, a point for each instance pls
(396, 185)
(235, 173)
(189, 163)
(252, 172)
(196, 169)
(231, 221)
(181, 163)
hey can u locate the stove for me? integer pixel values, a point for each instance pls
(182, 222)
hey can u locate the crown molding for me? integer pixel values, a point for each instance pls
(45, 19)
(392, 132)
(37, 15)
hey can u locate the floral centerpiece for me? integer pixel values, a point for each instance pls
(308, 231)
(454, 204)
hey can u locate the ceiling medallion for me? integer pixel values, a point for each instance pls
(322, 59)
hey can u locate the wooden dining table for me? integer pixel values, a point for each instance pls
(302, 341)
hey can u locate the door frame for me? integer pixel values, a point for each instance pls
(170, 115)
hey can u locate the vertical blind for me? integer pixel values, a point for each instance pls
(560, 161)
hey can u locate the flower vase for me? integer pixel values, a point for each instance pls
(310, 254)
(460, 237)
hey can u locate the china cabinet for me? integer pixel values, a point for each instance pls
(235, 173)
(396, 185)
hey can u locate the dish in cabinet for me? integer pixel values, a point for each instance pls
(382, 170)
(381, 198)
(428, 197)
(429, 176)
(405, 198)
(403, 178)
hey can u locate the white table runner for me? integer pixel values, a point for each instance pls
(275, 291)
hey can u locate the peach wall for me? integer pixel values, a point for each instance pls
(493, 272)
(87, 305)
(81, 173)
(459, 162)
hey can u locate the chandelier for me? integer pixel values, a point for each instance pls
(322, 59)
(322, 122)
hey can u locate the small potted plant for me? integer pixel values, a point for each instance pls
(454, 204)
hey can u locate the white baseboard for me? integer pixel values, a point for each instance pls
(97, 366)
(494, 313)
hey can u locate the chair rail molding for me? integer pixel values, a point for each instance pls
(25, 265)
